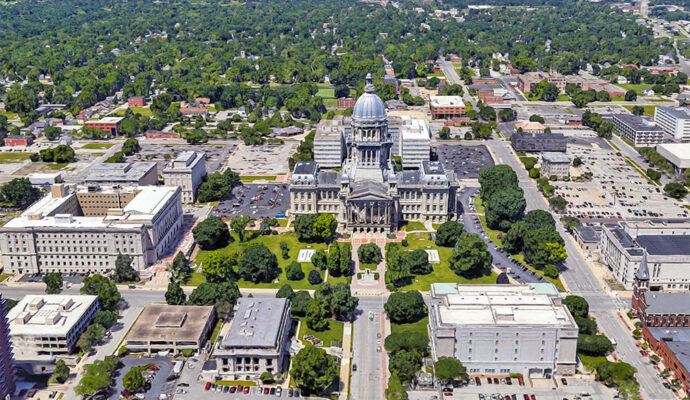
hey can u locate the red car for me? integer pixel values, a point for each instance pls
(507, 397)
(125, 393)
(478, 381)
(208, 386)
(246, 389)
(525, 396)
(266, 390)
(533, 397)
(232, 389)
(521, 381)
(153, 368)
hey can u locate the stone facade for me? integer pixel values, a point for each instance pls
(368, 194)
(186, 171)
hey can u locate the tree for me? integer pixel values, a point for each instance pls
(577, 306)
(471, 258)
(536, 118)
(448, 233)
(586, 326)
(266, 225)
(395, 390)
(630, 95)
(507, 114)
(397, 269)
(577, 161)
(130, 146)
(316, 316)
(404, 307)
(603, 95)
(345, 260)
(320, 259)
(180, 269)
(341, 91)
(536, 219)
(53, 283)
(405, 365)
(369, 253)
(544, 246)
(133, 379)
(341, 301)
(99, 285)
(239, 225)
(594, 345)
(487, 113)
(675, 190)
(558, 203)
(266, 377)
(299, 303)
(313, 370)
(314, 277)
(63, 154)
(496, 178)
(444, 133)
(20, 193)
(653, 174)
(123, 269)
(106, 318)
(417, 342)
(324, 228)
(258, 264)
(95, 332)
(449, 369)
(418, 260)
(175, 296)
(212, 233)
(218, 267)
(204, 295)
(285, 292)
(334, 259)
(637, 110)
(513, 239)
(284, 251)
(61, 372)
(294, 271)
(615, 373)
(117, 157)
(304, 227)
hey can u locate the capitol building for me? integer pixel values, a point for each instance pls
(363, 190)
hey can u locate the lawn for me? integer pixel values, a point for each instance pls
(13, 157)
(413, 226)
(97, 146)
(235, 383)
(636, 87)
(282, 222)
(273, 244)
(492, 233)
(216, 331)
(330, 102)
(441, 271)
(257, 178)
(414, 327)
(478, 205)
(196, 279)
(144, 111)
(591, 362)
(334, 332)
(339, 279)
(648, 110)
(326, 93)
(3, 277)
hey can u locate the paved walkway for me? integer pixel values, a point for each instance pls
(346, 361)
(367, 282)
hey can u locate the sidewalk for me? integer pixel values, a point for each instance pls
(346, 361)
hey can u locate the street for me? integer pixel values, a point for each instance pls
(367, 382)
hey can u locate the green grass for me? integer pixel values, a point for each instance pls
(97, 146)
(441, 271)
(618, 98)
(591, 362)
(282, 222)
(478, 205)
(273, 244)
(372, 267)
(437, 74)
(639, 169)
(13, 157)
(196, 279)
(326, 93)
(339, 279)
(561, 97)
(330, 102)
(334, 332)
(636, 87)
(492, 233)
(145, 111)
(257, 178)
(414, 327)
(216, 331)
(55, 166)
(413, 226)
(521, 259)
(3, 277)
(235, 383)
(648, 110)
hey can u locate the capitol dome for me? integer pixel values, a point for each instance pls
(369, 107)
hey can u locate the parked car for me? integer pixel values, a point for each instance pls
(208, 386)
(564, 382)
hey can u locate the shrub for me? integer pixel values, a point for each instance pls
(314, 277)
(294, 271)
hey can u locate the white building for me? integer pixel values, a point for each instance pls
(328, 143)
(187, 171)
(638, 130)
(83, 229)
(675, 121)
(623, 245)
(415, 142)
(677, 154)
(553, 163)
(502, 329)
(49, 325)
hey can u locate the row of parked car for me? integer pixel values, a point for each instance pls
(240, 389)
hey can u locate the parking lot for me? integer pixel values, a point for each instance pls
(552, 114)
(465, 161)
(616, 190)
(267, 159)
(158, 379)
(254, 200)
(216, 154)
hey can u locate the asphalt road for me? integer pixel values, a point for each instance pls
(581, 281)
(367, 381)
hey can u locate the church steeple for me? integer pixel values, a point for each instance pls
(640, 284)
(642, 272)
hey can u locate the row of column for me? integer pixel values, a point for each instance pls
(363, 214)
(369, 157)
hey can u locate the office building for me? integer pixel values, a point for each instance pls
(18, 140)
(587, 237)
(7, 380)
(637, 130)
(624, 246)
(49, 325)
(139, 173)
(675, 121)
(187, 171)
(678, 154)
(415, 142)
(537, 142)
(138, 101)
(107, 124)
(258, 339)
(446, 106)
(328, 142)
(82, 229)
(162, 327)
(497, 330)
(555, 164)
(673, 346)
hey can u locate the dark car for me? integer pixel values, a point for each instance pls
(478, 381)
(509, 381)
(564, 382)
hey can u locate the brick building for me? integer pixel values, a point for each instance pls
(658, 309)
(346, 102)
(151, 134)
(107, 124)
(673, 346)
(19, 140)
(138, 101)
(446, 106)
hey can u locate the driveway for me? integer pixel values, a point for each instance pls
(159, 384)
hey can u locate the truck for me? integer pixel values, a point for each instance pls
(177, 369)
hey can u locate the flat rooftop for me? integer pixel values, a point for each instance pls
(447, 101)
(676, 112)
(667, 302)
(108, 120)
(49, 314)
(638, 123)
(679, 153)
(119, 172)
(665, 245)
(166, 322)
(256, 323)
(555, 157)
(414, 129)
